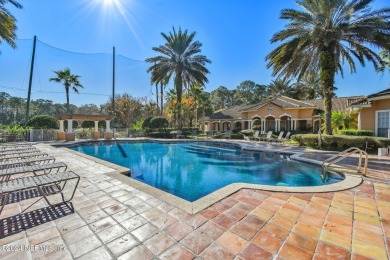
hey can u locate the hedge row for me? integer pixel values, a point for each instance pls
(356, 132)
(342, 142)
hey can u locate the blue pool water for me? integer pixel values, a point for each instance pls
(193, 170)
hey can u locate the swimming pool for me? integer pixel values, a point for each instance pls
(191, 170)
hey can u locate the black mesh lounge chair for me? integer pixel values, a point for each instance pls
(48, 184)
(34, 154)
(27, 161)
(6, 174)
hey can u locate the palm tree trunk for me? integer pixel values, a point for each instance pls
(161, 99)
(67, 100)
(157, 99)
(179, 91)
(328, 70)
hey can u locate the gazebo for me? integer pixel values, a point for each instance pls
(70, 135)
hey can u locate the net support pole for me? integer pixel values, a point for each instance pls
(113, 87)
(30, 81)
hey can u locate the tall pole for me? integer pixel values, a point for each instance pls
(30, 81)
(113, 79)
(113, 89)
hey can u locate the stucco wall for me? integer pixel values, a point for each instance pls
(277, 112)
(367, 114)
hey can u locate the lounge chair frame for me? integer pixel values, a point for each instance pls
(27, 161)
(34, 154)
(41, 183)
(6, 174)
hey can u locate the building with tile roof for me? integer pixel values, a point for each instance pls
(278, 113)
(373, 113)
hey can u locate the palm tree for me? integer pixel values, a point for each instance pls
(163, 84)
(385, 55)
(196, 91)
(70, 81)
(179, 57)
(279, 87)
(8, 23)
(171, 100)
(16, 103)
(309, 86)
(323, 36)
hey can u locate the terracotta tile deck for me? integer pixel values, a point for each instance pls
(112, 220)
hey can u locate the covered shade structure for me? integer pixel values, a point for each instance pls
(70, 136)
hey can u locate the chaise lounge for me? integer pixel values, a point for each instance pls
(49, 184)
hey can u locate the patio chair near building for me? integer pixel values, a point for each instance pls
(228, 134)
(194, 133)
(268, 137)
(255, 136)
(277, 140)
(179, 134)
(287, 137)
(210, 134)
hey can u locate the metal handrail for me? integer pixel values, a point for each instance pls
(344, 154)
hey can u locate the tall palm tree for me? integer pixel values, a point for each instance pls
(324, 35)
(8, 23)
(179, 58)
(163, 84)
(171, 100)
(196, 91)
(69, 81)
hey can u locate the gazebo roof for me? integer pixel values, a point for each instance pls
(83, 117)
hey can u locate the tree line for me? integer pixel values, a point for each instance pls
(319, 37)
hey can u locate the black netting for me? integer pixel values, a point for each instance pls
(96, 71)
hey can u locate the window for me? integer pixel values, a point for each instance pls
(383, 123)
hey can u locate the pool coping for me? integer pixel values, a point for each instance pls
(121, 173)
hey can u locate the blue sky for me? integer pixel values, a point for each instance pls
(235, 35)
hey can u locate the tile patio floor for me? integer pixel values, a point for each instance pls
(113, 220)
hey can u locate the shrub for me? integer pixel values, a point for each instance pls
(158, 122)
(162, 134)
(256, 124)
(342, 142)
(43, 122)
(356, 132)
(237, 136)
(146, 122)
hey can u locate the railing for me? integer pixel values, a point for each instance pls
(341, 156)
(37, 135)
